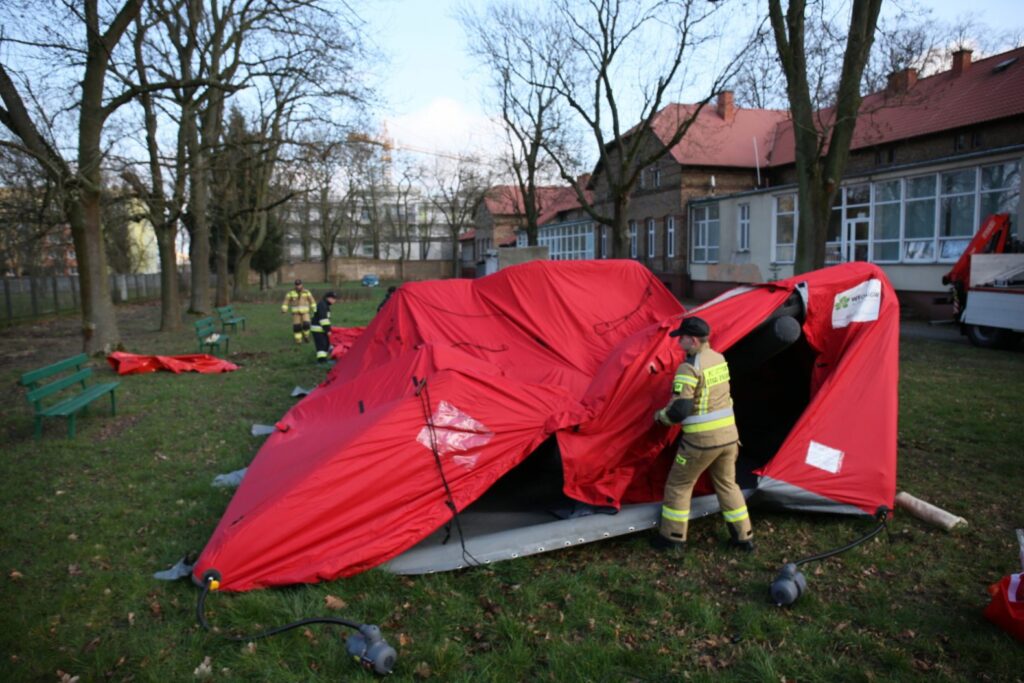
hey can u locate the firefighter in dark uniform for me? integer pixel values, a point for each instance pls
(702, 405)
(300, 303)
(321, 327)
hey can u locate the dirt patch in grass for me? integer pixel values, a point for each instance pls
(115, 426)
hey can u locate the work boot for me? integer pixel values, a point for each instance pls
(735, 542)
(745, 546)
(667, 545)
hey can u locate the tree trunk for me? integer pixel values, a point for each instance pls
(199, 228)
(327, 266)
(170, 297)
(221, 259)
(242, 268)
(814, 202)
(99, 319)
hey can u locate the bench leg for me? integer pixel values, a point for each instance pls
(38, 426)
(71, 425)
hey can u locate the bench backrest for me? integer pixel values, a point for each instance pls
(226, 311)
(205, 327)
(38, 390)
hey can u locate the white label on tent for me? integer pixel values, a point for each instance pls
(858, 304)
(824, 458)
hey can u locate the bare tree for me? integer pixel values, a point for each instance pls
(524, 55)
(81, 182)
(459, 188)
(822, 138)
(30, 215)
(611, 44)
(401, 216)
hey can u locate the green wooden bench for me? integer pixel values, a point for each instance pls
(68, 406)
(228, 318)
(208, 336)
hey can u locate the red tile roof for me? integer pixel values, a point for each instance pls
(507, 200)
(716, 141)
(945, 101)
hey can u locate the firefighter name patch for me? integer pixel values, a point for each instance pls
(824, 458)
(858, 304)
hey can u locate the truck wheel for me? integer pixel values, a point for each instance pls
(986, 337)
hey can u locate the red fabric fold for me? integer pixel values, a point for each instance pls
(135, 364)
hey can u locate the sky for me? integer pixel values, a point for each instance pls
(433, 90)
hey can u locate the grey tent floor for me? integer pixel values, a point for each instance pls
(490, 534)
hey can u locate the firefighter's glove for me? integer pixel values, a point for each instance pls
(662, 418)
(284, 309)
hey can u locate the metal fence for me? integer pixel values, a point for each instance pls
(32, 297)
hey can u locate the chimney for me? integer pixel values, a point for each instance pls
(901, 81)
(961, 61)
(726, 108)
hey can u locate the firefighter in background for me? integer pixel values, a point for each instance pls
(702, 404)
(300, 303)
(321, 327)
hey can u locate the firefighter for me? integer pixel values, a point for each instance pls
(299, 302)
(321, 327)
(701, 403)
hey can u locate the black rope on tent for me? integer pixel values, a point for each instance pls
(424, 393)
(607, 326)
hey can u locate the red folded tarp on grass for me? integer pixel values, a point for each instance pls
(134, 364)
(579, 350)
(342, 339)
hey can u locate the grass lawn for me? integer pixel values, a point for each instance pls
(86, 522)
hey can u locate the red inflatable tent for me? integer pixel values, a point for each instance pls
(457, 385)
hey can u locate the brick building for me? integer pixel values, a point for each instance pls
(930, 158)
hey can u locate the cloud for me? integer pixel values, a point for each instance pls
(447, 126)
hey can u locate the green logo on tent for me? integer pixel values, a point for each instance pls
(842, 302)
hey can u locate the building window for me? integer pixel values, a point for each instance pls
(743, 228)
(568, 241)
(705, 234)
(1000, 189)
(670, 236)
(919, 229)
(887, 208)
(604, 241)
(632, 239)
(656, 173)
(957, 221)
(784, 237)
(522, 239)
(650, 238)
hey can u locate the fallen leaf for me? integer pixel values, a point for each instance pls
(74, 570)
(250, 648)
(72, 537)
(422, 670)
(15, 575)
(91, 645)
(67, 678)
(205, 669)
(131, 618)
(332, 602)
(403, 640)
(308, 635)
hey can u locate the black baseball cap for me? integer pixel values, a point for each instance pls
(693, 327)
(330, 295)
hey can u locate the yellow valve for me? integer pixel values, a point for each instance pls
(214, 584)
